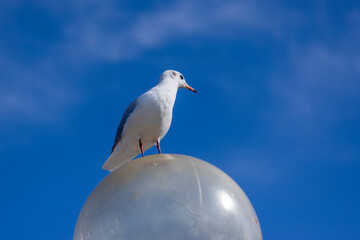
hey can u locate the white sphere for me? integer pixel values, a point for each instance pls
(167, 196)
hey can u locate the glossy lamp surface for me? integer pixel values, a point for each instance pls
(167, 196)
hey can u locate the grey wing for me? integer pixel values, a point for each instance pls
(125, 116)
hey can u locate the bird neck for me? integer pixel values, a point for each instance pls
(169, 88)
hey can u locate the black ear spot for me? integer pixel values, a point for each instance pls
(173, 73)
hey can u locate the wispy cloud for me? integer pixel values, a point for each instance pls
(254, 168)
(93, 31)
(103, 35)
(312, 94)
(321, 75)
(317, 92)
(32, 93)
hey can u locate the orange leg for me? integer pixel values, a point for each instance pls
(141, 147)
(158, 146)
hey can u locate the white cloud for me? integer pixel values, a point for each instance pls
(316, 94)
(93, 31)
(108, 35)
(32, 92)
(320, 78)
(312, 97)
(254, 167)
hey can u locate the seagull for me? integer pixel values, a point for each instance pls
(146, 120)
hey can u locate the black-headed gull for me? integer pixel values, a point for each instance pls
(146, 120)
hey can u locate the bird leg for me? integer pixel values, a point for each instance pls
(158, 146)
(141, 147)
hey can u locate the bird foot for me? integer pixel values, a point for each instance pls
(141, 147)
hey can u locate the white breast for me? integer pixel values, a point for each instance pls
(152, 117)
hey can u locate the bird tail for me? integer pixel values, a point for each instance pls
(115, 161)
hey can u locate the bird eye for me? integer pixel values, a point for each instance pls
(182, 77)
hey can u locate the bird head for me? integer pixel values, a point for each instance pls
(171, 75)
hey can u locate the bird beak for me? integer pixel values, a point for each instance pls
(191, 89)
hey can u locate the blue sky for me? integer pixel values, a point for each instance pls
(278, 107)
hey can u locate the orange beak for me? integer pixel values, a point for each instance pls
(191, 89)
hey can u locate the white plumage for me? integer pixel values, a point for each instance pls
(147, 119)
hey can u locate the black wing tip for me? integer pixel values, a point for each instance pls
(126, 114)
(113, 148)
